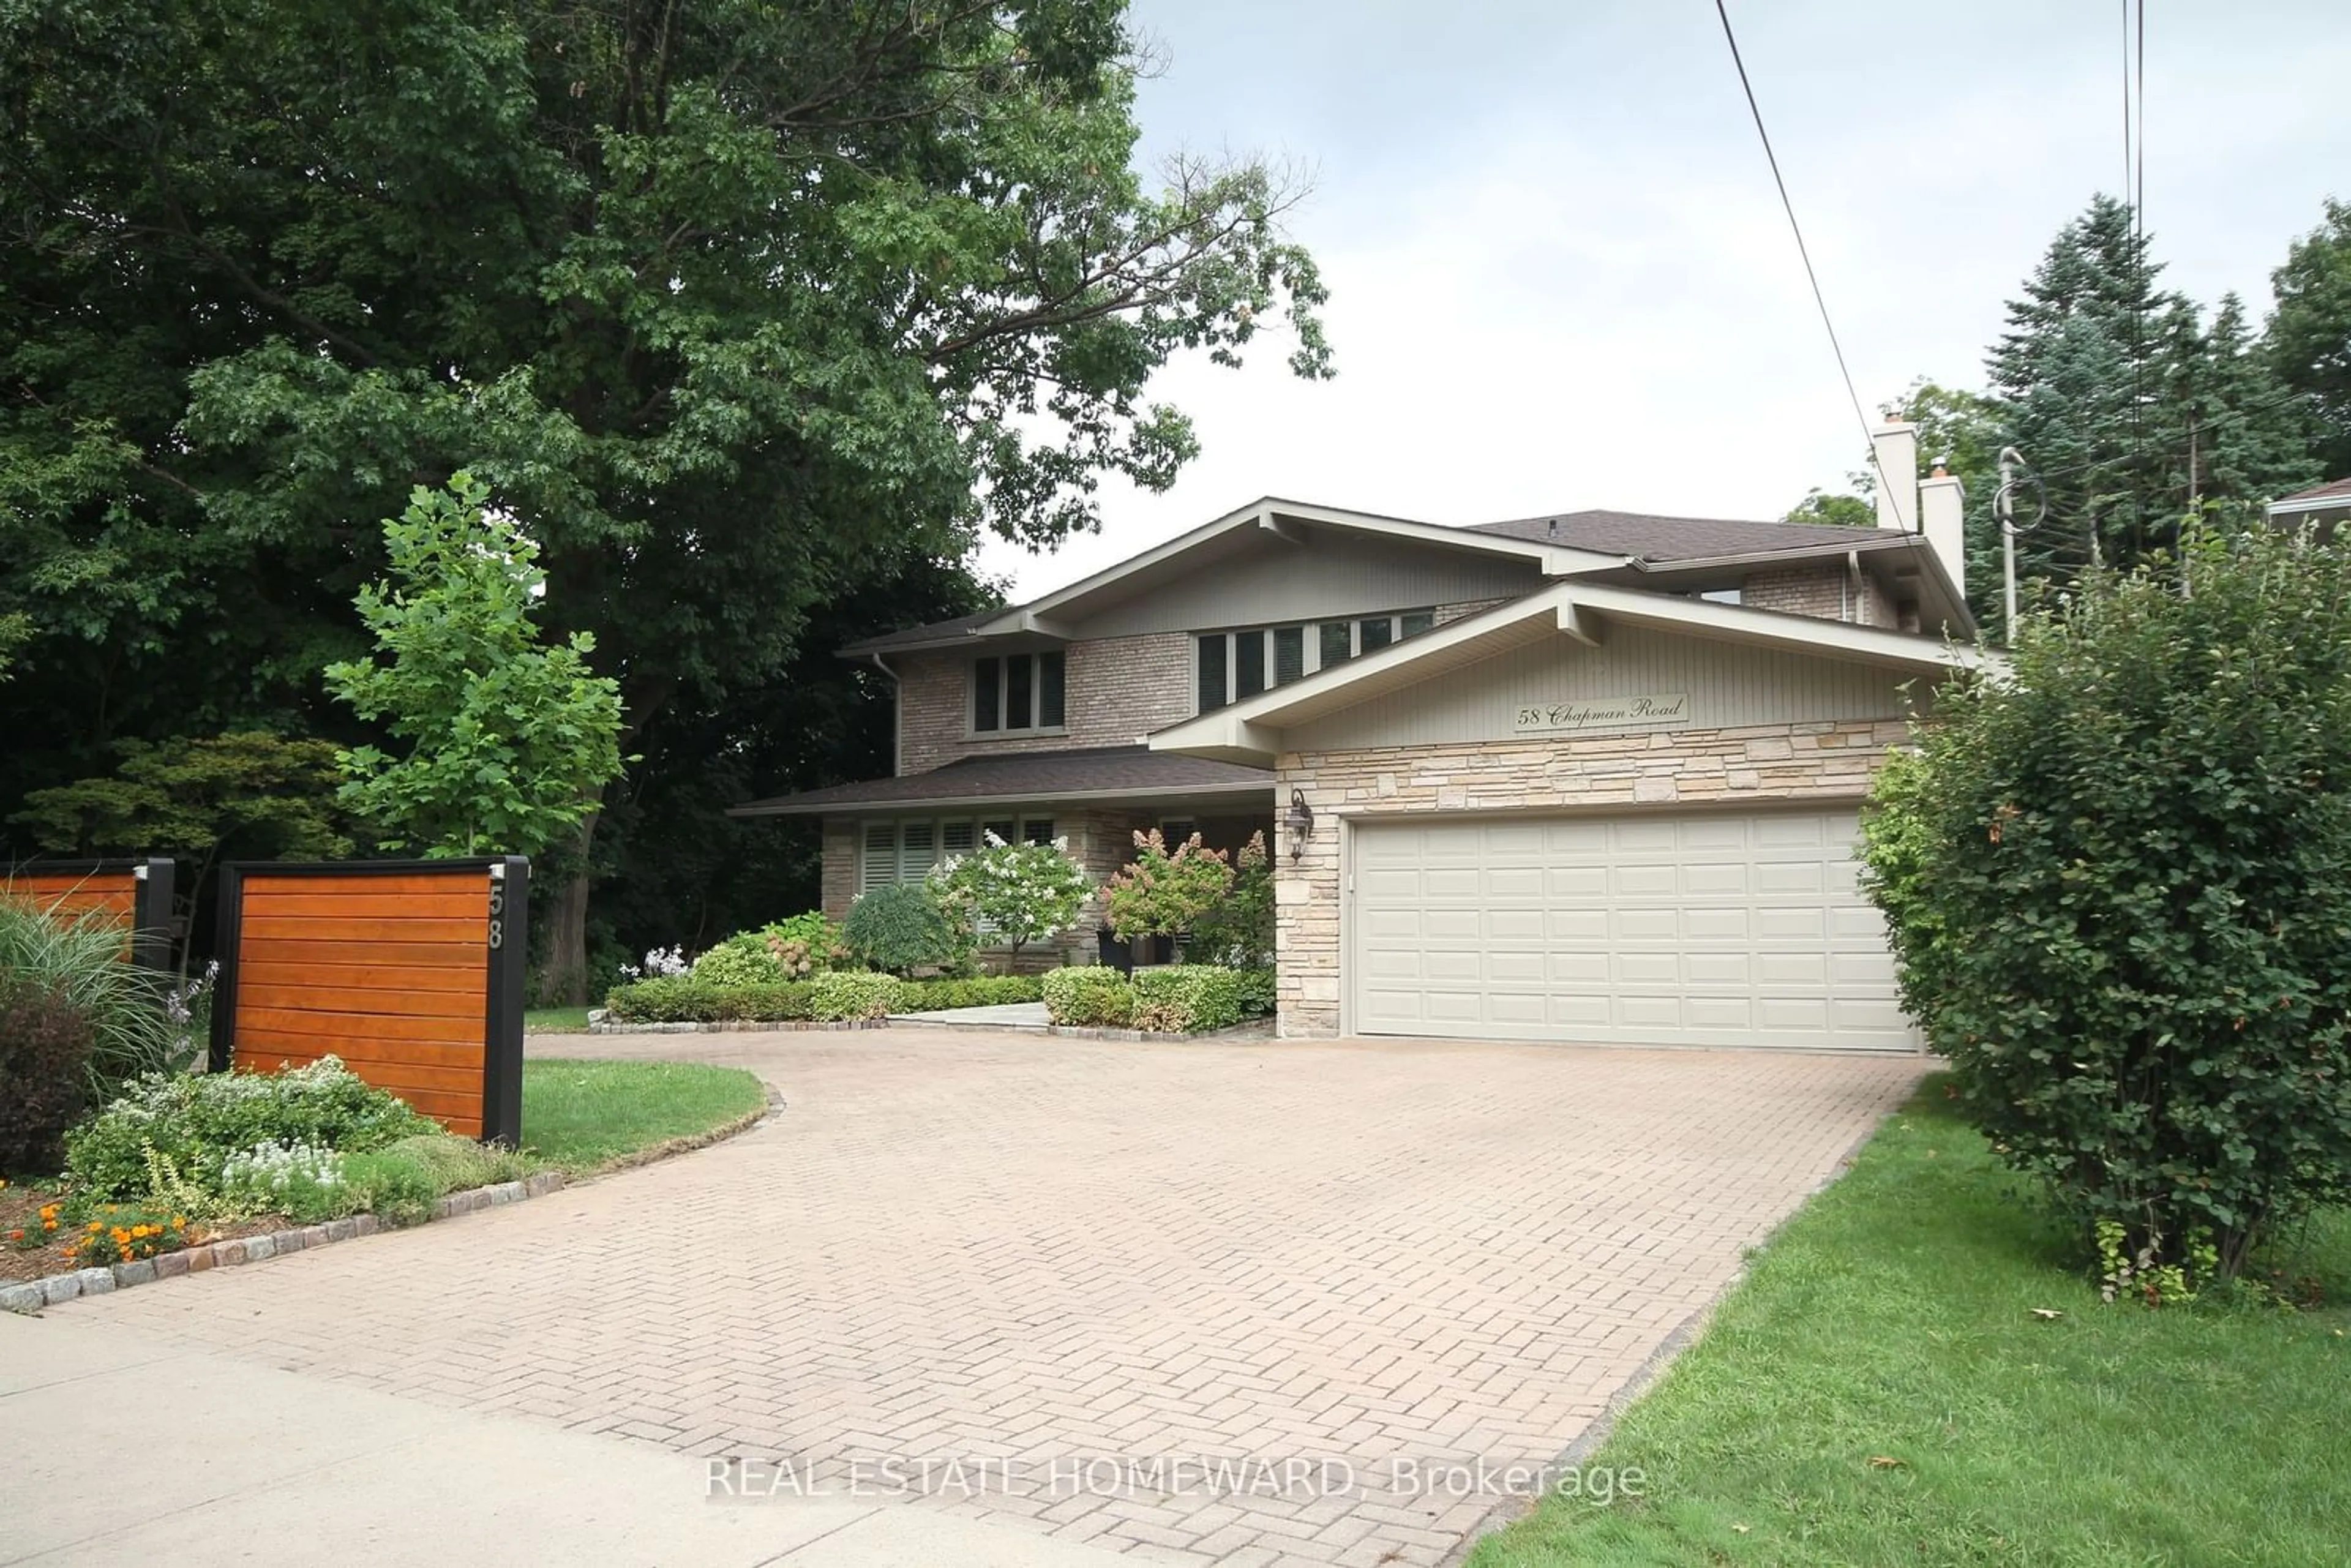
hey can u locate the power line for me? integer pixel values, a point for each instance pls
(1804, 251)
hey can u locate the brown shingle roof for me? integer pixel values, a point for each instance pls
(1660, 538)
(2326, 492)
(1028, 776)
(961, 626)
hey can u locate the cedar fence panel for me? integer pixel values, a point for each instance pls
(409, 971)
(136, 891)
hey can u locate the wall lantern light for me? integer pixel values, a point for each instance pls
(1299, 820)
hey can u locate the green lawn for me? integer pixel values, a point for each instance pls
(1878, 1391)
(580, 1116)
(555, 1020)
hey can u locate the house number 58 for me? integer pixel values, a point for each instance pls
(498, 910)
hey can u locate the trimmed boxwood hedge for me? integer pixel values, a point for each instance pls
(1185, 998)
(687, 999)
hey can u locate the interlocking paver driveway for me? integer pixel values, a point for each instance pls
(1041, 1251)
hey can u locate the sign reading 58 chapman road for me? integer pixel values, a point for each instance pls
(1604, 713)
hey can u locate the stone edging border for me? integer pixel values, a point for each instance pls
(1247, 1028)
(31, 1296)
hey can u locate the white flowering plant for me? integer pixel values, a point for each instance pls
(1013, 892)
(300, 1179)
(661, 964)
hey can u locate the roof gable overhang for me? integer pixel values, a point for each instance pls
(1251, 732)
(1057, 615)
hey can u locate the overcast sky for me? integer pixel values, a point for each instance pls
(1560, 275)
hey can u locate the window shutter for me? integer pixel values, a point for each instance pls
(879, 865)
(957, 838)
(1038, 829)
(917, 848)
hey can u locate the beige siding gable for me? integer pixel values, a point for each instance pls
(1325, 577)
(1729, 686)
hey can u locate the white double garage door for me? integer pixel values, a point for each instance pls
(1699, 928)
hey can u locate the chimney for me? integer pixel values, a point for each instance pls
(1942, 502)
(1896, 445)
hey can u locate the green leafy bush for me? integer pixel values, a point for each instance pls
(2118, 879)
(853, 994)
(400, 1182)
(684, 1000)
(1187, 998)
(900, 928)
(197, 1121)
(692, 1000)
(1088, 995)
(80, 960)
(1239, 932)
(977, 991)
(735, 962)
(1257, 992)
(45, 1042)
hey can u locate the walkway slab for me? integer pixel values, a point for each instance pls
(1002, 1016)
(1090, 1265)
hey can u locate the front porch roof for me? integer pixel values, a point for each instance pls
(1033, 779)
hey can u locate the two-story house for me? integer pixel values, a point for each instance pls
(1592, 777)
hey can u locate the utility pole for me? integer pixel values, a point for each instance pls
(2003, 506)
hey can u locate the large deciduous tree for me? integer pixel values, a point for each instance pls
(736, 307)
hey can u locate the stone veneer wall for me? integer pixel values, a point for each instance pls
(1813, 760)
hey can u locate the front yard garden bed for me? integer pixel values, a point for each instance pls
(59, 1241)
(1883, 1388)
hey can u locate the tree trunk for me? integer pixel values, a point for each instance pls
(563, 966)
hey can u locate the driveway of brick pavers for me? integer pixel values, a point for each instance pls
(1056, 1254)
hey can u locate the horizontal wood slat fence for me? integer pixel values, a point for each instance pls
(136, 891)
(409, 971)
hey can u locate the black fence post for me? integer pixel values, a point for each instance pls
(509, 958)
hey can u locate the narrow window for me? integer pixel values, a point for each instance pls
(1415, 621)
(1289, 654)
(958, 838)
(1038, 829)
(1007, 830)
(1378, 632)
(1016, 679)
(1050, 676)
(1249, 665)
(1212, 673)
(987, 693)
(1338, 642)
(917, 849)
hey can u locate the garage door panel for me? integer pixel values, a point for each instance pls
(1635, 880)
(1523, 966)
(1513, 883)
(1450, 924)
(1643, 929)
(1521, 924)
(1576, 884)
(1648, 968)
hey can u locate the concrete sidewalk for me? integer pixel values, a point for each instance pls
(124, 1449)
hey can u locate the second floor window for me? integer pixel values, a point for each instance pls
(1016, 693)
(1236, 666)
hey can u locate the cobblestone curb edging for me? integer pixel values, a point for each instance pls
(32, 1295)
(1252, 1029)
